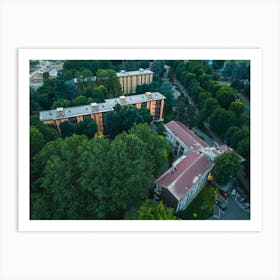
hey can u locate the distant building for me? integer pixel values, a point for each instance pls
(181, 183)
(129, 80)
(154, 101)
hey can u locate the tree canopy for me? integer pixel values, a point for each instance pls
(81, 178)
(154, 211)
(226, 167)
(108, 78)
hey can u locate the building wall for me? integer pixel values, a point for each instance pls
(193, 191)
(100, 117)
(178, 147)
(129, 83)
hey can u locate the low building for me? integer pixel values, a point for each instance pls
(181, 183)
(154, 101)
(183, 140)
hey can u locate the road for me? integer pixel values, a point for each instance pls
(233, 211)
(209, 131)
(213, 137)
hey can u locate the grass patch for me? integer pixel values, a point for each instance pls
(201, 207)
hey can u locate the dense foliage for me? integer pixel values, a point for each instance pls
(226, 167)
(153, 211)
(215, 89)
(78, 178)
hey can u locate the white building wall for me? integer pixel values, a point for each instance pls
(193, 192)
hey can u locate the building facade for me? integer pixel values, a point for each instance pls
(154, 101)
(129, 80)
(181, 183)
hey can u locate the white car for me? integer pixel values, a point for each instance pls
(233, 191)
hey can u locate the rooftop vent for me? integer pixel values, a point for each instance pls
(149, 94)
(195, 179)
(94, 106)
(123, 71)
(141, 69)
(59, 111)
(122, 98)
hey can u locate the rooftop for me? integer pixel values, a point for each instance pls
(122, 73)
(185, 135)
(141, 71)
(184, 172)
(106, 106)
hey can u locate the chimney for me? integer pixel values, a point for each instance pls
(122, 98)
(94, 106)
(149, 94)
(59, 111)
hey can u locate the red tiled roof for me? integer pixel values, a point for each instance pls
(184, 173)
(185, 135)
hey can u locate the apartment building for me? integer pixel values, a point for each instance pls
(129, 80)
(154, 101)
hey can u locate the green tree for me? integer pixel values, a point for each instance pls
(180, 105)
(210, 104)
(221, 120)
(226, 167)
(109, 79)
(61, 102)
(237, 107)
(225, 95)
(60, 179)
(218, 64)
(131, 172)
(112, 124)
(158, 67)
(157, 146)
(191, 119)
(66, 128)
(167, 90)
(154, 211)
(233, 135)
(48, 131)
(37, 141)
(87, 127)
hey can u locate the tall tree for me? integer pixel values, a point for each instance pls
(154, 211)
(37, 141)
(109, 79)
(87, 127)
(157, 147)
(226, 167)
(225, 95)
(221, 120)
(237, 107)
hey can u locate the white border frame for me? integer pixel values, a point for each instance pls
(254, 55)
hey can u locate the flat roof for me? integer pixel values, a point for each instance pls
(106, 106)
(134, 73)
(119, 74)
(183, 174)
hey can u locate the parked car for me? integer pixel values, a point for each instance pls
(223, 194)
(242, 199)
(221, 205)
(233, 191)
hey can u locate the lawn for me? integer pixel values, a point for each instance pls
(201, 207)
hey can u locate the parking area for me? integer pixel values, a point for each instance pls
(231, 206)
